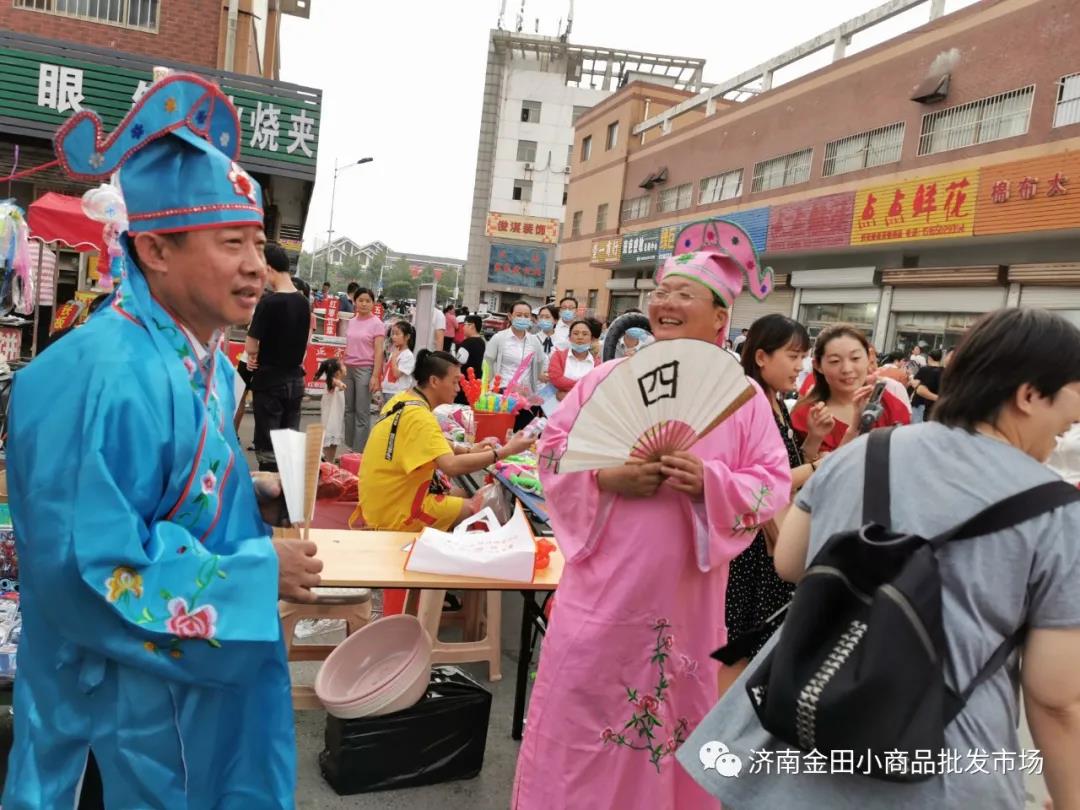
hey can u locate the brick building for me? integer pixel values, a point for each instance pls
(54, 62)
(908, 188)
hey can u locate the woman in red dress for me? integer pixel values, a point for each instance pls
(842, 387)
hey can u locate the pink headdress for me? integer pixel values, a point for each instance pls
(720, 255)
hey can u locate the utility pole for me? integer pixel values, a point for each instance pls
(333, 195)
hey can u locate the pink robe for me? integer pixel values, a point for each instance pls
(638, 611)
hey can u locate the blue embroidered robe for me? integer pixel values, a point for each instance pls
(148, 579)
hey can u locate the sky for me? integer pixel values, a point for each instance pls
(402, 83)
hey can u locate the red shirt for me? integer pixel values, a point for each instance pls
(893, 413)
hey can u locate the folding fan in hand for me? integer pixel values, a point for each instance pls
(661, 400)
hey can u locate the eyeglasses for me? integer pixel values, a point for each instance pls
(681, 297)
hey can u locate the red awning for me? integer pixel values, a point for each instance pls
(58, 218)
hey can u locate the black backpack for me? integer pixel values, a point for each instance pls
(859, 664)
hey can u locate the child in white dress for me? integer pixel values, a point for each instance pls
(332, 407)
(397, 376)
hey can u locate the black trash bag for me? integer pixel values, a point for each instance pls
(440, 739)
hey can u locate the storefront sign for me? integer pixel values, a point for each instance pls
(818, 223)
(1030, 195)
(606, 251)
(527, 229)
(517, 266)
(291, 245)
(940, 207)
(279, 126)
(667, 241)
(640, 247)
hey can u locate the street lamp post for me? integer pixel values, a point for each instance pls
(333, 194)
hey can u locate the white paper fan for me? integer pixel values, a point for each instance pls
(662, 399)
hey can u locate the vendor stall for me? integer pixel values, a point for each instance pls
(58, 223)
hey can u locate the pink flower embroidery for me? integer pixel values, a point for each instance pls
(749, 520)
(197, 624)
(669, 642)
(189, 364)
(209, 481)
(660, 624)
(670, 745)
(608, 735)
(649, 704)
(242, 183)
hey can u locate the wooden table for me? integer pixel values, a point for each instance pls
(376, 559)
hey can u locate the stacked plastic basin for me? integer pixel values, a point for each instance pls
(384, 667)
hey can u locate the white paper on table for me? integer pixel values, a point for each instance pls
(503, 552)
(290, 447)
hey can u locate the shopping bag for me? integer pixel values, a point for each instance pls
(479, 547)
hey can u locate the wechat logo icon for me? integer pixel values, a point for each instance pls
(715, 756)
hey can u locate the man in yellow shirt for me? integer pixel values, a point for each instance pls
(407, 464)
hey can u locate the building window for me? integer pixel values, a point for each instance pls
(575, 224)
(565, 194)
(142, 14)
(530, 112)
(637, 208)
(586, 148)
(1068, 101)
(982, 121)
(612, 136)
(578, 112)
(527, 151)
(569, 157)
(818, 316)
(874, 148)
(786, 170)
(601, 217)
(726, 186)
(676, 199)
(591, 303)
(523, 190)
(568, 294)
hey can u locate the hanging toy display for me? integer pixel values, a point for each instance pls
(105, 204)
(17, 290)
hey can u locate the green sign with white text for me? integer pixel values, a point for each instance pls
(278, 128)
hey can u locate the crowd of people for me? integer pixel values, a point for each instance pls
(151, 651)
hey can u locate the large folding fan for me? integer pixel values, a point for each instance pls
(661, 400)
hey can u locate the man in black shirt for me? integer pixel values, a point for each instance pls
(927, 385)
(276, 343)
(471, 351)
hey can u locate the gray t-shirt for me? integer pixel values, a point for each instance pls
(939, 477)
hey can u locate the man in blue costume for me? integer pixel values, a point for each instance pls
(149, 581)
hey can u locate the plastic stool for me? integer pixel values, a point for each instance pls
(353, 605)
(483, 626)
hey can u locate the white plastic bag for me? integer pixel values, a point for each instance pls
(506, 552)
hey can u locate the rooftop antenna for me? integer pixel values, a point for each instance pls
(569, 21)
(538, 25)
(502, 13)
(520, 17)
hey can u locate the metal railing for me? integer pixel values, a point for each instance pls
(786, 170)
(1067, 110)
(141, 14)
(988, 119)
(873, 148)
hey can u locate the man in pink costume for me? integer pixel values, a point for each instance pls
(625, 672)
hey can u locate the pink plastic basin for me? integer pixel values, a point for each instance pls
(381, 665)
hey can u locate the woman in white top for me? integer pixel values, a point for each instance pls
(570, 365)
(509, 349)
(402, 362)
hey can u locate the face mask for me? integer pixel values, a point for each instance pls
(567, 315)
(580, 349)
(522, 324)
(636, 332)
(547, 326)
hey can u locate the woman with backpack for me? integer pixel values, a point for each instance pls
(1005, 581)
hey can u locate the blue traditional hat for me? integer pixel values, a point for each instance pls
(176, 153)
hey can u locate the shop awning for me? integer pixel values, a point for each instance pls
(58, 218)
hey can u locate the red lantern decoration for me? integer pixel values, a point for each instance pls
(438, 271)
(415, 270)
